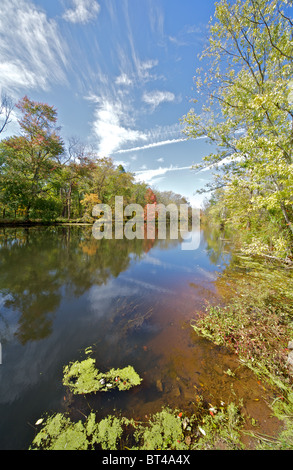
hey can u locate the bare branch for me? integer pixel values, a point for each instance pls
(6, 107)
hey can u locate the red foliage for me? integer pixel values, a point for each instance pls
(151, 199)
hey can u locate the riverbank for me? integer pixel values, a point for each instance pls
(256, 325)
(40, 223)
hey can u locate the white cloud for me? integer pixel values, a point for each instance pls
(32, 52)
(155, 98)
(143, 69)
(147, 65)
(154, 144)
(123, 79)
(109, 127)
(177, 42)
(148, 176)
(82, 12)
(226, 161)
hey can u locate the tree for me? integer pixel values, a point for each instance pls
(75, 177)
(29, 161)
(109, 181)
(6, 107)
(248, 113)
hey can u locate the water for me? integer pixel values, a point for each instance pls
(62, 291)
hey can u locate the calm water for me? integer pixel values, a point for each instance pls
(132, 301)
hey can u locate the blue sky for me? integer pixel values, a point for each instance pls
(120, 74)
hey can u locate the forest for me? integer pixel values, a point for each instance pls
(44, 179)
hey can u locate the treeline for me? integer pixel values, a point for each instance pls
(248, 116)
(42, 178)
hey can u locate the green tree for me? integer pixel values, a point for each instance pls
(248, 113)
(30, 161)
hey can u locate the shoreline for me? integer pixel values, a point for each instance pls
(32, 223)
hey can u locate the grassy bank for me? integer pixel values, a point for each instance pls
(257, 325)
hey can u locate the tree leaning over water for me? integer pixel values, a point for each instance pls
(248, 116)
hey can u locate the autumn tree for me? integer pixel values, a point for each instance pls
(248, 113)
(30, 160)
(109, 180)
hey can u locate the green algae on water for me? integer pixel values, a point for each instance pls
(83, 378)
(60, 433)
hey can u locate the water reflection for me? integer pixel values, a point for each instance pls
(61, 291)
(36, 264)
(218, 241)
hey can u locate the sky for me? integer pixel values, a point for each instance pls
(120, 74)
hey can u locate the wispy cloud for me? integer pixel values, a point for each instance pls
(156, 17)
(235, 158)
(189, 35)
(32, 52)
(123, 79)
(82, 11)
(156, 97)
(149, 176)
(152, 145)
(110, 127)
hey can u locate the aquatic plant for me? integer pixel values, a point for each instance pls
(60, 433)
(83, 377)
(163, 431)
(168, 429)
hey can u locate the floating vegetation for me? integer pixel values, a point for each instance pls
(60, 433)
(165, 430)
(83, 377)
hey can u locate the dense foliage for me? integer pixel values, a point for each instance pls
(42, 178)
(248, 117)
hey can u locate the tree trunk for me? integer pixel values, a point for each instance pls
(69, 203)
(288, 222)
(27, 211)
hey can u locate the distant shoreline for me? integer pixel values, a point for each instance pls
(31, 223)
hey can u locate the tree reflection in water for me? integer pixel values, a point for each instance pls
(36, 263)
